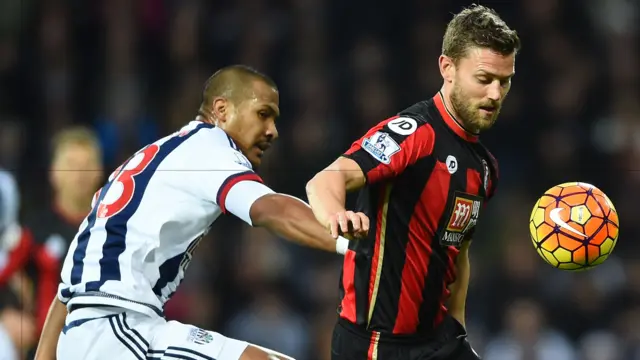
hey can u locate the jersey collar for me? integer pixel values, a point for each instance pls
(451, 121)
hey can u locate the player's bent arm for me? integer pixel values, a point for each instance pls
(285, 215)
(52, 328)
(327, 190)
(459, 288)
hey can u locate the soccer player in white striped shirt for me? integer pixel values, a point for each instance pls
(132, 250)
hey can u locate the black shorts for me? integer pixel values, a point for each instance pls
(449, 342)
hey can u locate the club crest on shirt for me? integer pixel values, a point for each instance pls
(199, 336)
(381, 146)
(487, 173)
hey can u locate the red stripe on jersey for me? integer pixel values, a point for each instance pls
(230, 182)
(422, 228)
(416, 146)
(348, 305)
(474, 181)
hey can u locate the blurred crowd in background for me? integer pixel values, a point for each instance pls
(132, 71)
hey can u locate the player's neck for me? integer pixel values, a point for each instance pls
(205, 119)
(446, 99)
(73, 210)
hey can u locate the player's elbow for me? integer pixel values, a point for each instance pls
(343, 174)
(312, 186)
(263, 211)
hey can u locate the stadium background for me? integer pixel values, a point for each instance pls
(133, 70)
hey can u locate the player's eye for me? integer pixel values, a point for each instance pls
(263, 114)
(483, 80)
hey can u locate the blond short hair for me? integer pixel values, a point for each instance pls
(77, 135)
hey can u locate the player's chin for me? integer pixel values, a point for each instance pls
(255, 156)
(485, 121)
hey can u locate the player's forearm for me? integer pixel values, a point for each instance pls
(52, 328)
(327, 194)
(293, 220)
(459, 289)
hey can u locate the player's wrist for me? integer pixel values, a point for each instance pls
(342, 245)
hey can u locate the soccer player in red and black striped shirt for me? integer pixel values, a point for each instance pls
(423, 178)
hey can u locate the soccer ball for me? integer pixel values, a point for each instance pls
(574, 226)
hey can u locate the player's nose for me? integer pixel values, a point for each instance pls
(272, 131)
(494, 91)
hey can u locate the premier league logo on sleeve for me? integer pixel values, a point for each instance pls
(381, 146)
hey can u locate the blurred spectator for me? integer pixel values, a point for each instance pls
(76, 169)
(601, 345)
(268, 311)
(527, 336)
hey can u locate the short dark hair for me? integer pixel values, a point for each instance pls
(231, 80)
(478, 26)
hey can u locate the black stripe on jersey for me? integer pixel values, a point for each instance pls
(135, 332)
(122, 340)
(369, 201)
(483, 154)
(438, 262)
(403, 201)
(128, 335)
(177, 353)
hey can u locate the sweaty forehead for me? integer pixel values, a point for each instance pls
(483, 59)
(264, 92)
(261, 93)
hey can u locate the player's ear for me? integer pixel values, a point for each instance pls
(220, 109)
(447, 68)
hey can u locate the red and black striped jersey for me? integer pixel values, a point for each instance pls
(427, 180)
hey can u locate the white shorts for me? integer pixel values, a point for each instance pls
(111, 333)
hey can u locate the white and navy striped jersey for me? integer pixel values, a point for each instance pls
(134, 246)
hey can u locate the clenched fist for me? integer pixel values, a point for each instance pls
(348, 224)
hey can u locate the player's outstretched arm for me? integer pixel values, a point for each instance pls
(292, 219)
(327, 193)
(458, 299)
(52, 328)
(236, 189)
